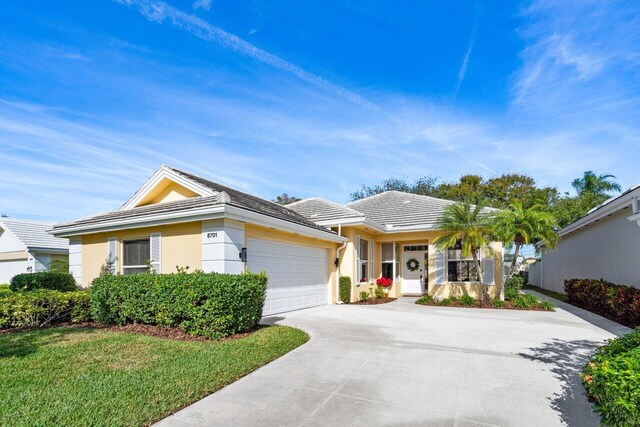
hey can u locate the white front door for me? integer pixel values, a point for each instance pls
(415, 269)
(298, 275)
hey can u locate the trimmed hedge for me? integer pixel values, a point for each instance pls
(616, 302)
(52, 280)
(612, 380)
(42, 308)
(344, 283)
(212, 305)
(4, 290)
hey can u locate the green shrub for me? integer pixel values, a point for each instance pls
(59, 265)
(364, 296)
(547, 305)
(525, 301)
(448, 301)
(425, 299)
(616, 302)
(612, 380)
(345, 289)
(512, 286)
(379, 292)
(52, 280)
(204, 304)
(467, 301)
(42, 308)
(4, 290)
(498, 303)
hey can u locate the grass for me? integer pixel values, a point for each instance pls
(84, 376)
(556, 295)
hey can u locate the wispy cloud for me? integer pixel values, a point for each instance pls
(465, 64)
(160, 11)
(202, 4)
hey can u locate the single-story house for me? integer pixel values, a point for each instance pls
(26, 247)
(604, 244)
(177, 219)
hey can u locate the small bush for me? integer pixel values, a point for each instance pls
(525, 301)
(364, 296)
(59, 265)
(616, 302)
(467, 301)
(204, 304)
(512, 286)
(52, 280)
(612, 380)
(498, 303)
(547, 305)
(379, 292)
(345, 289)
(4, 290)
(448, 301)
(42, 308)
(425, 299)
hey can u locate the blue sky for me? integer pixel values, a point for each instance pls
(310, 98)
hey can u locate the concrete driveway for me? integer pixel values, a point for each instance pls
(403, 364)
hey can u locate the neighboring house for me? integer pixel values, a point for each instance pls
(604, 244)
(26, 247)
(177, 219)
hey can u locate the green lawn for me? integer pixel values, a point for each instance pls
(556, 295)
(83, 376)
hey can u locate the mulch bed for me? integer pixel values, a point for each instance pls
(165, 332)
(509, 306)
(374, 301)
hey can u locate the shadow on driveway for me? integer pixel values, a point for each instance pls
(565, 360)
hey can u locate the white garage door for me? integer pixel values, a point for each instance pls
(8, 269)
(297, 274)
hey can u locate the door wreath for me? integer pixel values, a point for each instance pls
(413, 264)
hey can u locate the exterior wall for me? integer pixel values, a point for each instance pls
(181, 246)
(167, 191)
(607, 249)
(252, 231)
(9, 243)
(348, 264)
(535, 274)
(222, 241)
(10, 268)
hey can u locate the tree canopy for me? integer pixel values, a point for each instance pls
(285, 199)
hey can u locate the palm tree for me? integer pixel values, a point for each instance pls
(473, 227)
(517, 226)
(599, 185)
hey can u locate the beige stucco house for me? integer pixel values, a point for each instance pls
(177, 219)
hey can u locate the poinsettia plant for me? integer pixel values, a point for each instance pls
(384, 282)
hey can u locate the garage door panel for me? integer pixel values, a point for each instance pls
(298, 275)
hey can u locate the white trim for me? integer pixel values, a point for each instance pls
(156, 265)
(604, 210)
(162, 173)
(209, 212)
(371, 259)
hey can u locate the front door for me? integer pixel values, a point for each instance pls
(415, 269)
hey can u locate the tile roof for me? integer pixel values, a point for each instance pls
(33, 234)
(389, 209)
(318, 209)
(398, 209)
(226, 195)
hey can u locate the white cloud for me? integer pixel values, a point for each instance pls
(202, 4)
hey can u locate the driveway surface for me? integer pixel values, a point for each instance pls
(404, 364)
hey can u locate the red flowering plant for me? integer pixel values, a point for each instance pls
(385, 282)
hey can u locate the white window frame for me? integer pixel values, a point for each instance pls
(124, 267)
(371, 260)
(393, 261)
(446, 263)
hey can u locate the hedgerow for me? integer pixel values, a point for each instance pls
(42, 308)
(52, 280)
(212, 305)
(617, 302)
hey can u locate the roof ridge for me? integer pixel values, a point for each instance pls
(32, 221)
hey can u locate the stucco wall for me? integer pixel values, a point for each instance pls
(181, 246)
(606, 249)
(348, 261)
